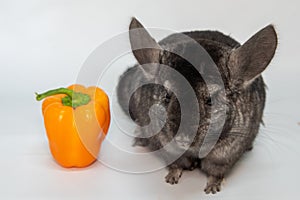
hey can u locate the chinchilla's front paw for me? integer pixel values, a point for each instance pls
(173, 175)
(213, 185)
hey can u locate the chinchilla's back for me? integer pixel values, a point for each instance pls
(200, 35)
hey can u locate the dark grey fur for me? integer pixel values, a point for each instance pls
(240, 67)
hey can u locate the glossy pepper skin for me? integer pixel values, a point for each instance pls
(76, 123)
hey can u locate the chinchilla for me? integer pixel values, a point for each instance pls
(243, 94)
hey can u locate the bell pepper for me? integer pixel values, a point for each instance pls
(76, 121)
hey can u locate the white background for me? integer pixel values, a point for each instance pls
(43, 45)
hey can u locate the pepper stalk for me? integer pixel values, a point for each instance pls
(73, 99)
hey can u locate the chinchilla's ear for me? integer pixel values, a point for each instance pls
(252, 58)
(144, 47)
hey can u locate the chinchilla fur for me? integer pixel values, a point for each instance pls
(240, 67)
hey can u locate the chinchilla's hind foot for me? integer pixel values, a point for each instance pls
(194, 165)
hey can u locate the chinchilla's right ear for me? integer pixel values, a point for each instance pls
(144, 47)
(252, 58)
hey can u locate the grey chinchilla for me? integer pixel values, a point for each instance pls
(243, 94)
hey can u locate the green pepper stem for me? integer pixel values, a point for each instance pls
(73, 99)
(66, 91)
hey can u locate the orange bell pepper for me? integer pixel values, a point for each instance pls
(76, 121)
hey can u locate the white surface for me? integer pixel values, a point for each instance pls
(43, 45)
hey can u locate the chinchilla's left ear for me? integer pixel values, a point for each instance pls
(144, 47)
(252, 58)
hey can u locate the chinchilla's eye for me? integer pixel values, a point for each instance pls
(167, 97)
(208, 101)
